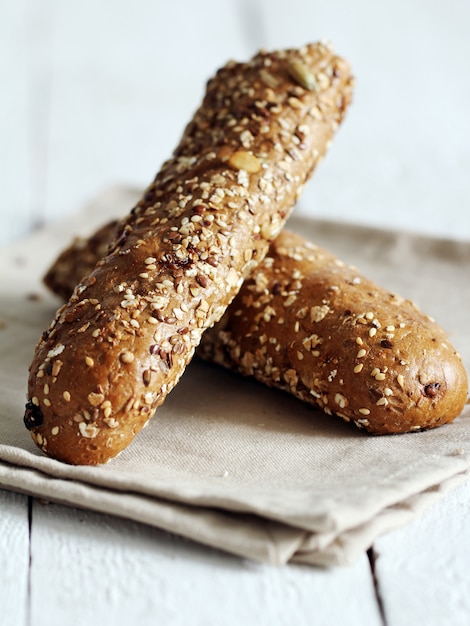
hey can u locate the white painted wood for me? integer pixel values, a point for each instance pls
(92, 569)
(14, 559)
(126, 80)
(15, 164)
(423, 568)
(402, 156)
(97, 93)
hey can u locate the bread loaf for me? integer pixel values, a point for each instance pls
(307, 323)
(121, 343)
(79, 259)
(311, 325)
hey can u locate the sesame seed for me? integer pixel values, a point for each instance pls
(55, 431)
(66, 396)
(89, 361)
(149, 260)
(126, 357)
(359, 341)
(358, 368)
(95, 399)
(364, 411)
(56, 351)
(300, 355)
(382, 402)
(47, 402)
(372, 331)
(111, 422)
(46, 389)
(390, 328)
(369, 315)
(148, 398)
(361, 353)
(88, 430)
(401, 380)
(35, 400)
(107, 411)
(143, 275)
(178, 313)
(379, 376)
(56, 367)
(341, 400)
(96, 333)
(315, 353)
(294, 102)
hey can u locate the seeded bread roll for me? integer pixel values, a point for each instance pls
(80, 259)
(121, 343)
(307, 323)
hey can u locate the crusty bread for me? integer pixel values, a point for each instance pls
(79, 259)
(307, 323)
(121, 343)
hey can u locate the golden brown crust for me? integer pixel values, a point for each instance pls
(309, 324)
(79, 260)
(122, 341)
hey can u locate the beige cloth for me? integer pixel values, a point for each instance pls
(226, 461)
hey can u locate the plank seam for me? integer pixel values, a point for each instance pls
(372, 555)
(30, 558)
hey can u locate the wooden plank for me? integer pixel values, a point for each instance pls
(95, 569)
(14, 559)
(14, 122)
(422, 568)
(402, 153)
(126, 82)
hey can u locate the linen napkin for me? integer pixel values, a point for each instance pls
(226, 461)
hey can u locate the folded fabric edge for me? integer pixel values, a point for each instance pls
(336, 522)
(345, 548)
(243, 535)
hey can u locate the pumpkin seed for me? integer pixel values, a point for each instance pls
(242, 160)
(302, 75)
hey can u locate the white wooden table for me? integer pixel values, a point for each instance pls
(96, 93)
